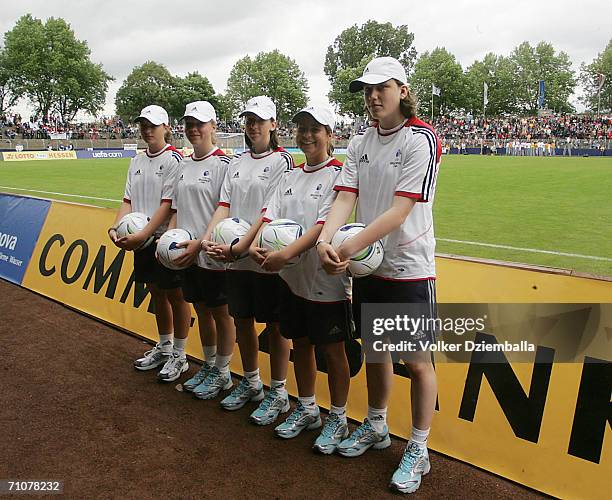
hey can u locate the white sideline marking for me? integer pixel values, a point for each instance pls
(60, 194)
(475, 243)
(520, 249)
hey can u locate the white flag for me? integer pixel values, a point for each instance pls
(601, 78)
(435, 90)
(486, 94)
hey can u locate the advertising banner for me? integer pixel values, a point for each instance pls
(105, 154)
(21, 220)
(542, 420)
(39, 155)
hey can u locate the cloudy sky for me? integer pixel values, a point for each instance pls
(211, 35)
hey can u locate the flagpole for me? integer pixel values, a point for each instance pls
(432, 105)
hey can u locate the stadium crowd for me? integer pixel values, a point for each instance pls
(517, 135)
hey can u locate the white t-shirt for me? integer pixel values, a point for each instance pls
(305, 195)
(196, 196)
(402, 162)
(150, 181)
(248, 186)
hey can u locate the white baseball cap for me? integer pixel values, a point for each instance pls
(380, 70)
(155, 114)
(201, 111)
(323, 114)
(261, 106)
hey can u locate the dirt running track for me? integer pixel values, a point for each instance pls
(74, 409)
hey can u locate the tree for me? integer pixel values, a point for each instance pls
(497, 72)
(193, 87)
(8, 97)
(53, 69)
(347, 57)
(532, 64)
(590, 79)
(439, 68)
(148, 84)
(272, 74)
(226, 111)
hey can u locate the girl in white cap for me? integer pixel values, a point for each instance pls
(315, 310)
(253, 293)
(196, 195)
(150, 189)
(390, 171)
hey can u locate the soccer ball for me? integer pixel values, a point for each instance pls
(230, 230)
(167, 249)
(279, 233)
(132, 223)
(365, 261)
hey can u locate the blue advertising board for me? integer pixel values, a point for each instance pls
(85, 154)
(21, 220)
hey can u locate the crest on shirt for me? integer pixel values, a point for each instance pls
(316, 194)
(397, 161)
(160, 171)
(205, 177)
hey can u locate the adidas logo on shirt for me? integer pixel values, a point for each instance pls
(236, 175)
(364, 159)
(138, 172)
(289, 192)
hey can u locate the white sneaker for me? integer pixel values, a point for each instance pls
(174, 367)
(155, 357)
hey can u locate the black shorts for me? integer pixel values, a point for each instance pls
(254, 295)
(371, 290)
(204, 286)
(148, 270)
(322, 322)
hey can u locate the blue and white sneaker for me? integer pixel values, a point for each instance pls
(334, 432)
(413, 466)
(270, 408)
(362, 439)
(213, 384)
(155, 357)
(241, 395)
(297, 421)
(198, 378)
(174, 367)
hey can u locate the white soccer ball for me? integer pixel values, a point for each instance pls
(279, 233)
(230, 230)
(365, 261)
(132, 223)
(167, 249)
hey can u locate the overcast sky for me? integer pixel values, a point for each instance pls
(210, 36)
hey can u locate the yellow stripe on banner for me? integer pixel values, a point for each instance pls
(546, 427)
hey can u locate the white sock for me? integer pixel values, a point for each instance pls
(253, 379)
(378, 418)
(279, 385)
(340, 411)
(179, 346)
(309, 403)
(222, 363)
(419, 437)
(210, 352)
(166, 340)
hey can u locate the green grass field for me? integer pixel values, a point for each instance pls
(535, 205)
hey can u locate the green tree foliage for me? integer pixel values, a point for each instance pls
(272, 74)
(532, 64)
(8, 97)
(193, 87)
(589, 78)
(497, 72)
(52, 68)
(441, 69)
(148, 84)
(354, 48)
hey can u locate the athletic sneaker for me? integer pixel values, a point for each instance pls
(242, 394)
(334, 431)
(270, 408)
(364, 438)
(213, 384)
(198, 378)
(299, 420)
(175, 366)
(155, 357)
(414, 465)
